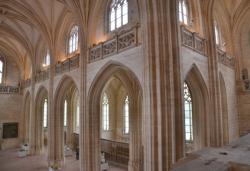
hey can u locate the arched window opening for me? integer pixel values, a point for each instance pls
(65, 112)
(216, 32)
(1, 71)
(73, 40)
(45, 113)
(218, 36)
(46, 60)
(105, 112)
(118, 14)
(183, 12)
(126, 116)
(188, 115)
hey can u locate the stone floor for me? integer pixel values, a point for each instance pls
(9, 161)
(233, 157)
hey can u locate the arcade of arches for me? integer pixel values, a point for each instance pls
(138, 85)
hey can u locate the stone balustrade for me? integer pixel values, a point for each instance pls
(115, 151)
(4, 89)
(123, 41)
(67, 65)
(246, 84)
(225, 59)
(42, 75)
(61, 67)
(26, 83)
(193, 41)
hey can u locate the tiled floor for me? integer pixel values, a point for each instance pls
(9, 161)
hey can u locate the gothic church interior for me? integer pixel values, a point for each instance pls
(136, 85)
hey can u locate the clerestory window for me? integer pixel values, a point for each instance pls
(183, 12)
(118, 15)
(105, 112)
(73, 40)
(46, 59)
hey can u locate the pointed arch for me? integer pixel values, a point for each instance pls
(40, 136)
(133, 87)
(65, 85)
(200, 104)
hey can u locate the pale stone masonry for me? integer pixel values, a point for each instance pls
(141, 49)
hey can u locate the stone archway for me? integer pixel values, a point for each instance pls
(200, 106)
(92, 122)
(41, 133)
(63, 92)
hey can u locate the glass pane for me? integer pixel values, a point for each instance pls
(118, 22)
(65, 112)
(112, 26)
(45, 113)
(125, 13)
(188, 114)
(1, 66)
(77, 116)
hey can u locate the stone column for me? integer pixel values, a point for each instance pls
(162, 72)
(214, 81)
(135, 137)
(32, 122)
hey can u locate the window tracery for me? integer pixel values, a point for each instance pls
(188, 115)
(45, 113)
(73, 40)
(1, 71)
(46, 60)
(118, 15)
(126, 116)
(65, 112)
(105, 112)
(183, 12)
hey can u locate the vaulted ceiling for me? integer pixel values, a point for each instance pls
(27, 25)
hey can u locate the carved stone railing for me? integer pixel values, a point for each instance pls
(225, 59)
(193, 41)
(115, 151)
(42, 75)
(26, 83)
(117, 44)
(67, 65)
(9, 89)
(246, 84)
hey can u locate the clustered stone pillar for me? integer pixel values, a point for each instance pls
(135, 143)
(216, 139)
(161, 51)
(32, 124)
